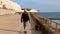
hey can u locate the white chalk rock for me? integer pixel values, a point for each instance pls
(8, 4)
(33, 10)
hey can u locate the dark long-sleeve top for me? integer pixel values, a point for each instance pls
(25, 17)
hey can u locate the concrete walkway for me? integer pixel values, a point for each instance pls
(11, 24)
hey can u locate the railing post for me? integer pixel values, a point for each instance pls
(50, 25)
(46, 21)
(56, 27)
(42, 20)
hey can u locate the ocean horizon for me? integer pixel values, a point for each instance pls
(49, 14)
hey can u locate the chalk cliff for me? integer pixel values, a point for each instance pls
(8, 4)
(9, 7)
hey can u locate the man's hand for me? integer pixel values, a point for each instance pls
(21, 20)
(29, 20)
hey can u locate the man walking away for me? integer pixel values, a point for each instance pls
(25, 18)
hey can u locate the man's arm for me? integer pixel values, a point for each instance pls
(21, 19)
(29, 20)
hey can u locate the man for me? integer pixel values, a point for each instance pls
(25, 18)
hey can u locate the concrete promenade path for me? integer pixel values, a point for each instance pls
(10, 24)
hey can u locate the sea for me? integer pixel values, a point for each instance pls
(49, 14)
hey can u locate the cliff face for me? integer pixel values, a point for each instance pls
(8, 4)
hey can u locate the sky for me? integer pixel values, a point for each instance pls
(42, 5)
